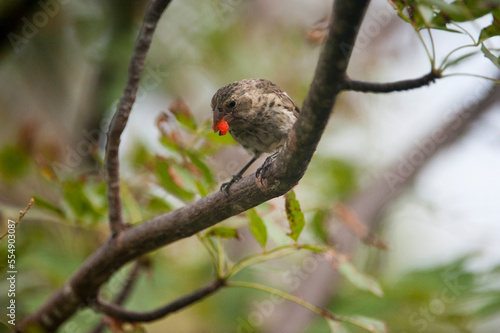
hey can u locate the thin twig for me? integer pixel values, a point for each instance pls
(387, 87)
(273, 291)
(126, 290)
(120, 313)
(21, 215)
(136, 66)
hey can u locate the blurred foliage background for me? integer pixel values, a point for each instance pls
(64, 70)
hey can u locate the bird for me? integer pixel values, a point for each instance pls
(258, 115)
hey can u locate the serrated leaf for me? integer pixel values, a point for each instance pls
(360, 280)
(491, 56)
(336, 326)
(370, 324)
(257, 227)
(294, 215)
(223, 232)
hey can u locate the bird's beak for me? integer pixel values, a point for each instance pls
(220, 116)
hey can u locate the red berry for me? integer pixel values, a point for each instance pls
(223, 127)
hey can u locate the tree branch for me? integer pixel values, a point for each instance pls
(284, 173)
(120, 313)
(375, 87)
(119, 121)
(126, 289)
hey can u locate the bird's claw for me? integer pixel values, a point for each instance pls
(225, 187)
(264, 168)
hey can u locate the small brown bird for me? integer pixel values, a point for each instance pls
(259, 116)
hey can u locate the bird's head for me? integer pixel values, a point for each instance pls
(231, 104)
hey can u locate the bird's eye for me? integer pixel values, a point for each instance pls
(232, 104)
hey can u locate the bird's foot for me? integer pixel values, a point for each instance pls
(225, 187)
(264, 168)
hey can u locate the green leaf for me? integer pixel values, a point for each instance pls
(491, 56)
(173, 147)
(294, 215)
(360, 280)
(491, 306)
(257, 227)
(78, 200)
(493, 29)
(318, 226)
(158, 204)
(14, 163)
(182, 113)
(200, 164)
(488, 32)
(163, 175)
(332, 177)
(44, 204)
(275, 253)
(314, 248)
(460, 59)
(186, 121)
(202, 190)
(139, 156)
(224, 232)
(336, 326)
(370, 324)
(460, 11)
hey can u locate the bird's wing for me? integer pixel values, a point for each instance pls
(289, 103)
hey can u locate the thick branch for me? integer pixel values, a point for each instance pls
(284, 173)
(387, 87)
(120, 313)
(153, 13)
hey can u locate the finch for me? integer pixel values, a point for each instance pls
(258, 115)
